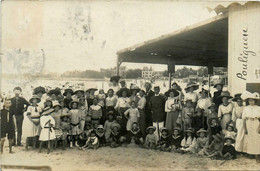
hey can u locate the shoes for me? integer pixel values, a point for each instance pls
(20, 145)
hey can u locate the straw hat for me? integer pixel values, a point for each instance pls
(79, 90)
(135, 87)
(39, 89)
(237, 96)
(54, 91)
(73, 101)
(190, 129)
(47, 111)
(229, 138)
(177, 128)
(114, 78)
(163, 129)
(151, 127)
(115, 124)
(91, 89)
(192, 84)
(205, 88)
(225, 94)
(35, 97)
(219, 83)
(175, 92)
(248, 95)
(68, 90)
(201, 130)
(100, 127)
(56, 103)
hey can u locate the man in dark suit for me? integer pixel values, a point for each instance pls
(148, 94)
(19, 105)
(216, 100)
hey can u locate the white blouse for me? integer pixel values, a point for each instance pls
(123, 102)
(204, 104)
(111, 101)
(251, 112)
(222, 110)
(141, 103)
(191, 96)
(172, 103)
(237, 112)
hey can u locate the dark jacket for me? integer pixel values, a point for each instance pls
(101, 138)
(157, 106)
(165, 140)
(176, 141)
(7, 125)
(217, 100)
(18, 107)
(229, 149)
(136, 135)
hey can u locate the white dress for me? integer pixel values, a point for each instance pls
(29, 128)
(132, 114)
(225, 113)
(237, 118)
(47, 133)
(252, 115)
(191, 96)
(204, 104)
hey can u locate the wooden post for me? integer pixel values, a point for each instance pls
(117, 66)
(170, 80)
(171, 69)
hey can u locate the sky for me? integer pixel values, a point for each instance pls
(59, 36)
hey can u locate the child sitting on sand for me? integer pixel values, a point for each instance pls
(100, 134)
(108, 123)
(164, 142)
(151, 139)
(213, 128)
(215, 147)
(92, 142)
(116, 138)
(202, 142)
(175, 140)
(135, 135)
(84, 135)
(189, 141)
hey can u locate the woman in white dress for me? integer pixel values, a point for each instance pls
(251, 117)
(225, 109)
(47, 124)
(31, 127)
(238, 122)
(190, 94)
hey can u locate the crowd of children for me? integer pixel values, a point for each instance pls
(192, 124)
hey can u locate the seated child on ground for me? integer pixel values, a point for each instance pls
(215, 147)
(108, 123)
(202, 142)
(228, 150)
(175, 139)
(134, 135)
(151, 139)
(198, 120)
(116, 138)
(164, 142)
(214, 128)
(101, 135)
(84, 135)
(189, 141)
(92, 142)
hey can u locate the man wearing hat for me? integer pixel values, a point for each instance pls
(18, 108)
(148, 95)
(216, 100)
(157, 105)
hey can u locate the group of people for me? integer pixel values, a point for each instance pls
(218, 126)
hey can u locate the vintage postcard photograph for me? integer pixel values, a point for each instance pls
(124, 85)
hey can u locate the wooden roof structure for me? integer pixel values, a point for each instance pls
(201, 44)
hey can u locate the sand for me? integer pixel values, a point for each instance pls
(122, 158)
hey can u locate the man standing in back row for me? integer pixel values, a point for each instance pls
(148, 94)
(19, 105)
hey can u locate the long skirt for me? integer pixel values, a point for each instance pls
(142, 121)
(252, 138)
(225, 119)
(171, 119)
(47, 134)
(122, 120)
(29, 128)
(240, 135)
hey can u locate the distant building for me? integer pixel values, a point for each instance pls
(149, 73)
(122, 71)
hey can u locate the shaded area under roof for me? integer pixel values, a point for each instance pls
(202, 44)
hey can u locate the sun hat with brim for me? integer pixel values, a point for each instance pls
(134, 88)
(56, 103)
(219, 83)
(54, 91)
(91, 89)
(225, 94)
(191, 130)
(120, 92)
(115, 125)
(47, 111)
(163, 129)
(68, 90)
(200, 131)
(114, 78)
(73, 101)
(237, 96)
(39, 89)
(175, 92)
(212, 105)
(100, 127)
(229, 138)
(248, 95)
(151, 127)
(192, 84)
(79, 90)
(35, 97)
(205, 89)
(177, 128)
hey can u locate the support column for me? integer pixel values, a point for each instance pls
(171, 69)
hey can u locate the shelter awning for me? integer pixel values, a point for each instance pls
(200, 45)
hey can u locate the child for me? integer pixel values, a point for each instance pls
(31, 127)
(215, 147)
(214, 128)
(64, 110)
(101, 102)
(108, 124)
(100, 134)
(212, 112)
(189, 141)
(151, 138)
(202, 142)
(74, 122)
(56, 116)
(7, 125)
(47, 133)
(187, 114)
(48, 102)
(228, 150)
(111, 100)
(164, 142)
(116, 138)
(175, 140)
(132, 114)
(198, 121)
(83, 109)
(95, 112)
(68, 93)
(65, 128)
(92, 142)
(134, 135)
(229, 131)
(84, 135)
